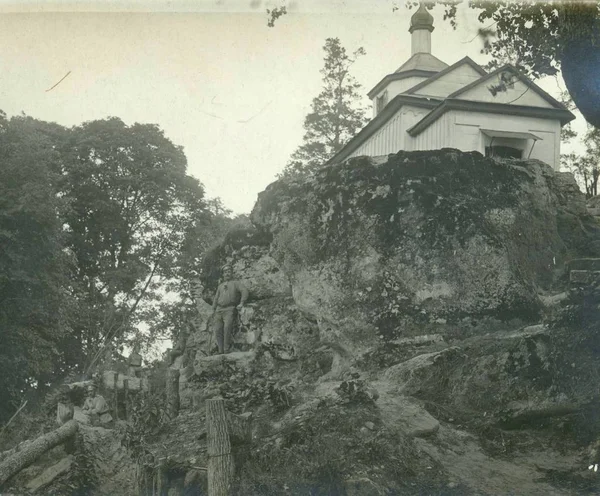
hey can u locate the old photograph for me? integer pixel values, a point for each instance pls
(299, 247)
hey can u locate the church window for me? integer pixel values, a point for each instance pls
(382, 101)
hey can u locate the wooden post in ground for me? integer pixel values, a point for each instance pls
(173, 392)
(161, 478)
(220, 458)
(116, 395)
(126, 399)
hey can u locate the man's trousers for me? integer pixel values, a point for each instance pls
(224, 322)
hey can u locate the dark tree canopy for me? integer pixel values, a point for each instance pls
(130, 207)
(97, 222)
(34, 301)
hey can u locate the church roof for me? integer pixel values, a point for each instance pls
(561, 114)
(423, 62)
(399, 75)
(521, 77)
(466, 60)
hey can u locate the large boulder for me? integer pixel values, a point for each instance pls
(424, 237)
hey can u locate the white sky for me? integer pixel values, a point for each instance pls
(211, 74)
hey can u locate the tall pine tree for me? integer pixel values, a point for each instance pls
(336, 113)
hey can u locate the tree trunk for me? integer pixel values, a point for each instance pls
(30, 453)
(173, 392)
(220, 458)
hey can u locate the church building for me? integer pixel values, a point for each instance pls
(427, 105)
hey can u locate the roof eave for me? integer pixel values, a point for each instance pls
(524, 79)
(380, 119)
(397, 76)
(563, 115)
(465, 60)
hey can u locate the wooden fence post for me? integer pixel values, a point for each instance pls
(161, 478)
(116, 396)
(220, 458)
(126, 399)
(173, 392)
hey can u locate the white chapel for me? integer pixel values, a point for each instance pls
(427, 105)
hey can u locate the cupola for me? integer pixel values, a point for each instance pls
(421, 26)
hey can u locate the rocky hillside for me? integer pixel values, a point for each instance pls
(438, 283)
(422, 324)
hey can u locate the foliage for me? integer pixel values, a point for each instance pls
(586, 167)
(33, 288)
(130, 209)
(354, 390)
(82, 478)
(335, 116)
(275, 14)
(243, 390)
(543, 38)
(97, 223)
(323, 446)
(148, 416)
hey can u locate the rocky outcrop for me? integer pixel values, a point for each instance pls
(403, 303)
(378, 249)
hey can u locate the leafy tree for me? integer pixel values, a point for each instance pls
(34, 301)
(336, 114)
(543, 38)
(586, 166)
(130, 207)
(172, 315)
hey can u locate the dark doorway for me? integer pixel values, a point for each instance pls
(503, 152)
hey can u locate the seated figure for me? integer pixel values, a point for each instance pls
(96, 408)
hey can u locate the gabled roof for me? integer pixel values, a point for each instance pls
(397, 76)
(561, 114)
(466, 60)
(424, 62)
(521, 77)
(380, 119)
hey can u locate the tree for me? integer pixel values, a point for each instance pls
(172, 315)
(586, 167)
(34, 299)
(336, 114)
(130, 206)
(543, 38)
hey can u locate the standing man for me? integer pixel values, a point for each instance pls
(230, 297)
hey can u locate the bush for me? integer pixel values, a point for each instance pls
(322, 448)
